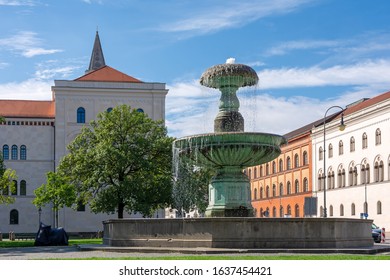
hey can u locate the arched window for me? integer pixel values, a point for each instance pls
(305, 185)
(288, 163)
(321, 180)
(296, 161)
(273, 190)
(321, 154)
(341, 210)
(255, 194)
(80, 206)
(5, 152)
(288, 209)
(280, 165)
(352, 144)
(296, 210)
(140, 110)
(367, 173)
(365, 207)
(341, 147)
(281, 211)
(379, 208)
(261, 193)
(296, 186)
(267, 169)
(331, 179)
(273, 167)
(288, 187)
(274, 212)
(14, 217)
(80, 115)
(267, 192)
(331, 210)
(23, 187)
(378, 137)
(378, 171)
(14, 152)
(353, 209)
(109, 110)
(364, 141)
(14, 188)
(261, 171)
(352, 176)
(305, 158)
(255, 173)
(330, 152)
(280, 189)
(23, 152)
(339, 181)
(250, 174)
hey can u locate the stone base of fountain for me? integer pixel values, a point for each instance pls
(229, 194)
(245, 233)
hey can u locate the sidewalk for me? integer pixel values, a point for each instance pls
(102, 251)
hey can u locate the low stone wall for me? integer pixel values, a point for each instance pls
(239, 233)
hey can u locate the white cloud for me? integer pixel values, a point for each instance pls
(232, 14)
(17, 3)
(285, 47)
(27, 90)
(191, 108)
(365, 73)
(3, 65)
(26, 44)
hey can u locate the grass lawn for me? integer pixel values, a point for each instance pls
(30, 243)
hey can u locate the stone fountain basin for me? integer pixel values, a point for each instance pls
(241, 149)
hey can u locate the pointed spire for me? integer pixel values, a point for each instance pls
(97, 58)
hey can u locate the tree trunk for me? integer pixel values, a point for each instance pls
(121, 209)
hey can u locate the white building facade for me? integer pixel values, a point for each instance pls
(356, 162)
(35, 135)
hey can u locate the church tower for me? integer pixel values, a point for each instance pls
(97, 57)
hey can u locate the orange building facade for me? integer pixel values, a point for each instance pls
(279, 187)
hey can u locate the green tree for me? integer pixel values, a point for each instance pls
(7, 183)
(190, 188)
(56, 192)
(121, 162)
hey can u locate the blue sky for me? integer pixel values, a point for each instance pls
(309, 54)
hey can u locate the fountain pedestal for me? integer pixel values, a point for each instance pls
(229, 194)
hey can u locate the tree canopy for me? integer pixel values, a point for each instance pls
(190, 188)
(121, 162)
(7, 183)
(57, 192)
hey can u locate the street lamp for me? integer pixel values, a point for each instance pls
(39, 215)
(341, 128)
(365, 207)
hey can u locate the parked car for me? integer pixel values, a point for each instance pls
(376, 233)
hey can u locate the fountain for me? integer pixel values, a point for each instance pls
(229, 221)
(229, 149)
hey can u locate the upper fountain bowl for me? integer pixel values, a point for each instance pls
(239, 149)
(229, 75)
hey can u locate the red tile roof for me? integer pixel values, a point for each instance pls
(27, 109)
(367, 103)
(107, 74)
